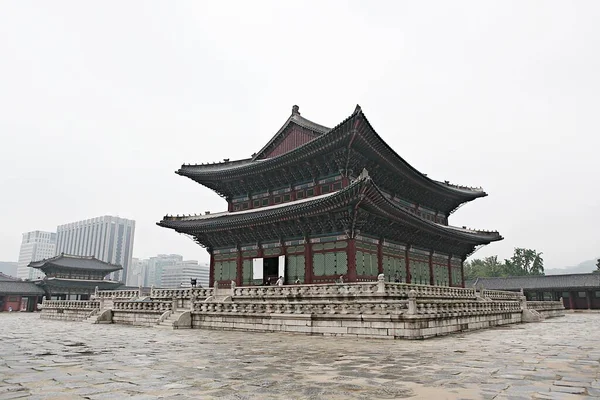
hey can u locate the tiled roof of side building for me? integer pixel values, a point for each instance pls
(20, 288)
(5, 278)
(573, 281)
(75, 262)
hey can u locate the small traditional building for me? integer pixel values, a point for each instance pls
(18, 295)
(316, 204)
(71, 277)
(578, 291)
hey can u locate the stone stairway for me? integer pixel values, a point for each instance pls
(93, 318)
(170, 321)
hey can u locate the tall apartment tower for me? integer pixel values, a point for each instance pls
(107, 238)
(35, 246)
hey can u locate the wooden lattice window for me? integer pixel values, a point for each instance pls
(419, 270)
(294, 268)
(393, 266)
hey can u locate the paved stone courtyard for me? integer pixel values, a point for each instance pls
(558, 358)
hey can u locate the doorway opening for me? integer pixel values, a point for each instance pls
(268, 270)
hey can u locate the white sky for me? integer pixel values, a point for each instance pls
(100, 105)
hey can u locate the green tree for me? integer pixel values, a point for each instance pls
(487, 267)
(525, 262)
(597, 271)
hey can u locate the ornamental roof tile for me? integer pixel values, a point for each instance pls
(75, 262)
(568, 281)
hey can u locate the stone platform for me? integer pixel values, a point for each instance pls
(369, 309)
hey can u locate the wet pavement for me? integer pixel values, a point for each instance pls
(558, 358)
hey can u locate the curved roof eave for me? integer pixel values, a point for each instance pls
(237, 220)
(209, 172)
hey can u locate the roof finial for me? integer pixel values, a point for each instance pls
(357, 109)
(364, 174)
(295, 110)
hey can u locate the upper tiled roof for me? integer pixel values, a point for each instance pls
(75, 262)
(345, 134)
(541, 282)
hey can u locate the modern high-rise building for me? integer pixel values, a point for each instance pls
(35, 246)
(107, 238)
(156, 266)
(180, 274)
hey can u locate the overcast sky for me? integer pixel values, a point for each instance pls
(101, 102)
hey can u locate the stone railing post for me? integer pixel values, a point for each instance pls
(139, 291)
(524, 303)
(412, 303)
(192, 301)
(96, 292)
(232, 288)
(381, 283)
(174, 305)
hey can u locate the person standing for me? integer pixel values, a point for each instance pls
(280, 281)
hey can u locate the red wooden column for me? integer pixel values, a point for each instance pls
(431, 277)
(352, 260)
(462, 273)
(308, 261)
(408, 275)
(238, 277)
(380, 258)
(450, 270)
(211, 273)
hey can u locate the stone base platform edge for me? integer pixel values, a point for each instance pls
(366, 326)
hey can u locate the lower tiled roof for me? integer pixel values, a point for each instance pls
(570, 281)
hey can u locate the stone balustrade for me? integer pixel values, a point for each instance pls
(429, 292)
(323, 290)
(117, 294)
(143, 306)
(500, 295)
(545, 305)
(444, 308)
(305, 307)
(182, 293)
(362, 289)
(71, 304)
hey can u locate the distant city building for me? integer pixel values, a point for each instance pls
(180, 274)
(107, 238)
(138, 272)
(156, 266)
(35, 246)
(204, 274)
(167, 270)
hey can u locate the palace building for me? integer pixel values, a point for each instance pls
(69, 277)
(316, 204)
